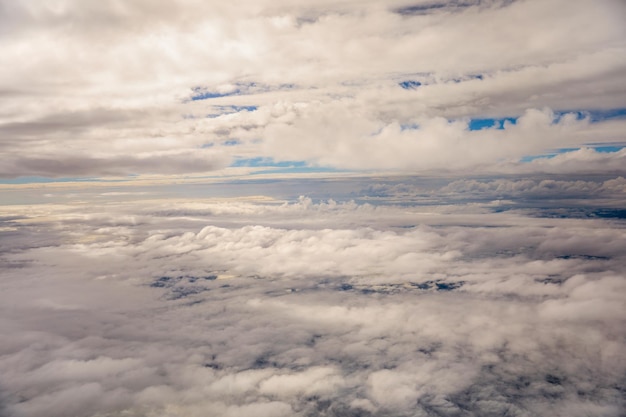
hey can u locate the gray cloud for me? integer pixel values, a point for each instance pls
(75, 165)
(540, 188)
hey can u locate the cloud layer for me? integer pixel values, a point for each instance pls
(93, 89)
(218, 307)
(312, 208)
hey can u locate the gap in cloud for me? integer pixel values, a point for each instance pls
(297, 170)
(231, 142)
(237, 109)
(265, 162)
(425, 79)
(608, 149)
(453, 6)
(409, 84)
(230, 109)
(432, 7)
(601, 115)
(594, 116)
(479, 124)
(596, 148)
(236, 89)
(550, 155)
(199, 93)
(204, 93)
(600, 148)
(280, 167)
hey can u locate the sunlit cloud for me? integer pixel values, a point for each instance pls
(312, 208)
(332, 83)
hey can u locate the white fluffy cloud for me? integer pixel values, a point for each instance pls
(263, 307)
(103, 87)
(187, 278)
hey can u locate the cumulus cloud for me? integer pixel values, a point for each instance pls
(265, 307)
(346, 139)
(321, 82)
(584, 160)
(305, 269)
(546, 188)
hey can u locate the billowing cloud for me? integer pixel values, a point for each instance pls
(312, 208)
(333, 308)
(546, 188)
(330, 83)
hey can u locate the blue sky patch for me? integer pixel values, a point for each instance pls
(229, 110)
(601, 115)
(296, 170)
(203, 93)
(601, 149)
(608, 149)
(479, 124)
(239, 89)
(281, 167)
(594, 116)
(531, 158)
(409, 84)
(241, 108)
(266, 162)
(200, 93)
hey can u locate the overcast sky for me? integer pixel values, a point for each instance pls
(312, 208)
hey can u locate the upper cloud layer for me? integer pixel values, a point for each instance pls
(107, 81)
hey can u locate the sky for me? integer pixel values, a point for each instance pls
(312, 208)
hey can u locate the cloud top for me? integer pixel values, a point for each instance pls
(310, 308)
